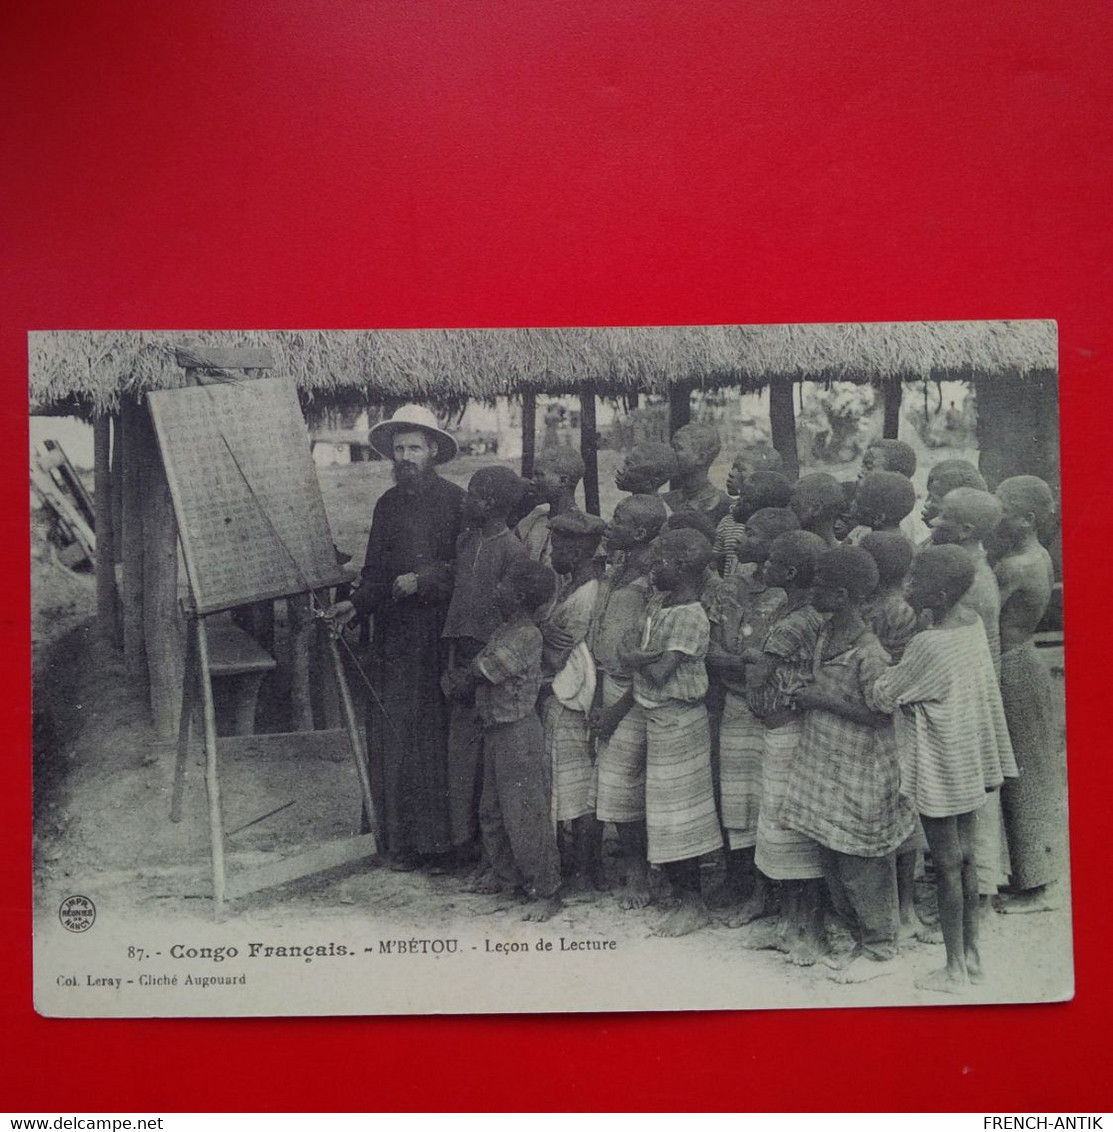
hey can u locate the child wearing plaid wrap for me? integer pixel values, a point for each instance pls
(844, 786)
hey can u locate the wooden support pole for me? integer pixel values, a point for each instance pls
(117, 481)
(355, 734)
(135, 652)
(212, 769)
(893, 392)
(299, 616)
(589, 448)
(782, 423)
(190, 690)
(102, 502)
(680, 406)
(529, 432)
(162, 618)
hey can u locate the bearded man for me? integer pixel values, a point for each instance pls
(406, 586)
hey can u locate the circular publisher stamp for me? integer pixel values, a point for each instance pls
(77, 913)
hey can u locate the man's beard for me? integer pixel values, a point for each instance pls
(408, 474)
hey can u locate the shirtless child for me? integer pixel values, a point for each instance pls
(696, 446)
(1033, 803)
(647, 468)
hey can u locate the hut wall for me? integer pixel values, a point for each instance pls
(1018, 427)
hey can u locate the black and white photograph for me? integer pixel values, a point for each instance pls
(554, 669)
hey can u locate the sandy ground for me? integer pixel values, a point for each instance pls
(102, 806)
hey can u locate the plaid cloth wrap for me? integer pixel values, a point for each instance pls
(675, 628)
(843, 787)
(791, 641)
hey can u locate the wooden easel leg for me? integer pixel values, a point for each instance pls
(189, 701)
(355, 733)
(212, 776)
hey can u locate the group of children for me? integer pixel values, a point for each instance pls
(775, 674)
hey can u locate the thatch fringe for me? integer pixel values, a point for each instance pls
(88, 372)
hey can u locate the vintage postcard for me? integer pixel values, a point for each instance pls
(584, 669)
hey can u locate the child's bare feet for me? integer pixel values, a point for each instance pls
(974, 966)
(806, 952)
(944, 980)
(485, 883)
(634, 894)
(1043, 899)
(861, 969)
(752, 908)
(538, 911)
(925, 933)
(689, 915)
(912, 927)
(766, 937)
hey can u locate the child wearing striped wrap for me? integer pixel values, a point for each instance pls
(778, 670)
(616, 721)
(574, 538)
(670, 682)
(742, 614)
(953, 744)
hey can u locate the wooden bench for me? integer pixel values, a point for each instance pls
(238, 663)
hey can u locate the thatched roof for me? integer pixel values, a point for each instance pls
(87, 372)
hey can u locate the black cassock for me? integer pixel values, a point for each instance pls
(413, 530)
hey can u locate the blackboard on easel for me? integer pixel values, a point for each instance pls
(253, 527)
(249, 508)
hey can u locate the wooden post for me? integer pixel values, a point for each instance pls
(102, 502)
(782, 423)
(299, 614)
(135, 653)
(589, 448)
(680, 405)
(212, 770)
(529, 432)
(162, 619)
(893, 392)
(117, 480)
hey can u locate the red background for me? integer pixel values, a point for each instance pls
(411, 163)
